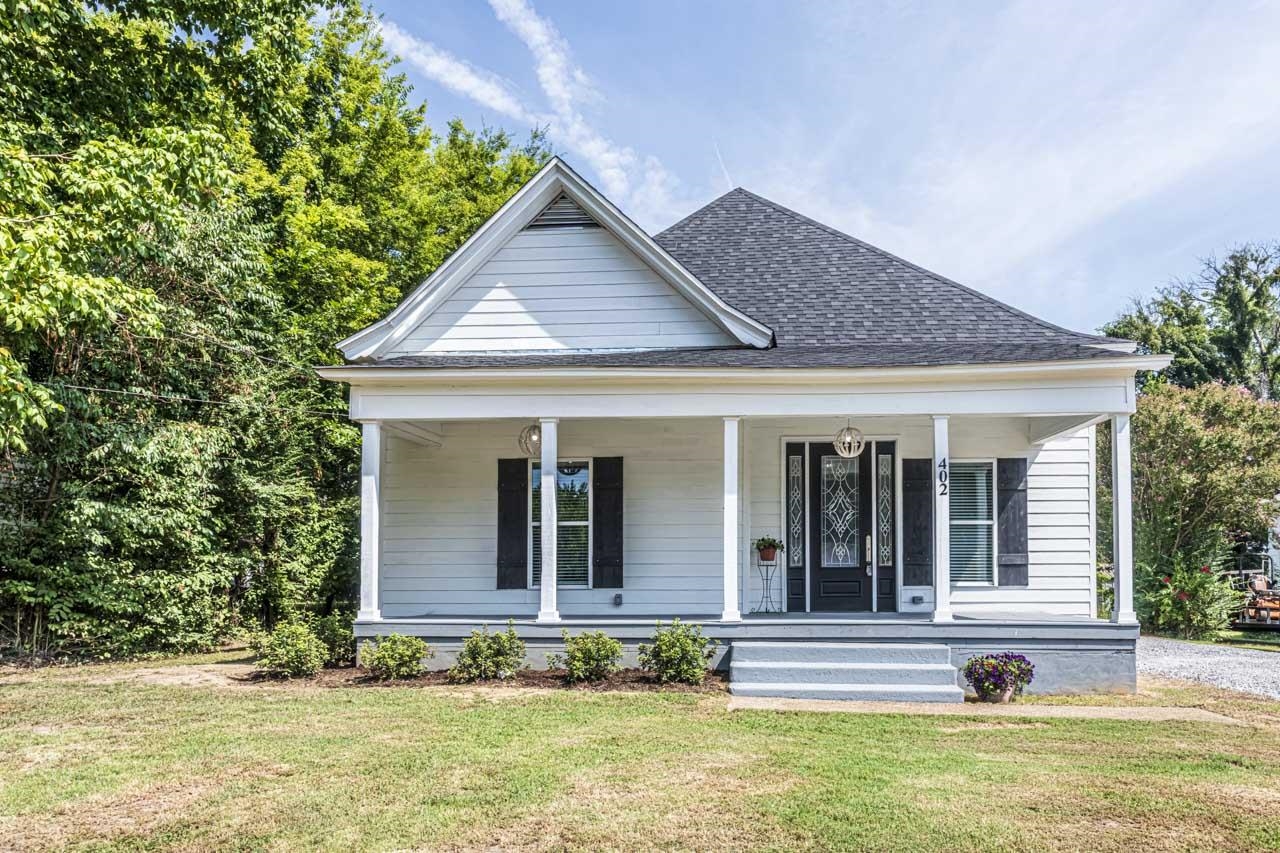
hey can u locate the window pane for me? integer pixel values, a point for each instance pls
(971, 491)
(971, 553)
(572, 499)
(573, 510)
(571, 491)
(572, 554)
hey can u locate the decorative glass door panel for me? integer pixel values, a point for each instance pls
(839, 512)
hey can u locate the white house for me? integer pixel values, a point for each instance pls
(681, 395)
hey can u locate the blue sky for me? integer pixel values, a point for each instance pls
(1063, 157)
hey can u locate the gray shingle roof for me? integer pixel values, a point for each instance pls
(815, 286)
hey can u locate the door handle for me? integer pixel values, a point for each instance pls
(868, 554)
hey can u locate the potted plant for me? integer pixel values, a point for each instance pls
(768, 548)
(999, 677)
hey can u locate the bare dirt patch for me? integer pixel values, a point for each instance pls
(192, 675)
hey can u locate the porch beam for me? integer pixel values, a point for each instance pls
(1048, 398)
(1122, 519)
(941, 519)
(548, 609)
(731, 612)
(370, 519)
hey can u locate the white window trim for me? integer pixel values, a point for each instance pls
(535, 525)
(994, 524)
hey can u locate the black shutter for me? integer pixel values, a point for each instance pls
(513, 523)
(917, 522)
(1011, 500)
(606, 522)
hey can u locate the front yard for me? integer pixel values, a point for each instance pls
(137, 756)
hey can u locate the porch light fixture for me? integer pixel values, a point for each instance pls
(849, 442)
(530, 441)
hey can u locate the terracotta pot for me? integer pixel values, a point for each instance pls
(768, 555)
(1004, 697)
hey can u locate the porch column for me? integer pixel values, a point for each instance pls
(941, 520)
(1122, 519)
(370, 518)
(731, 612)
(547, 610)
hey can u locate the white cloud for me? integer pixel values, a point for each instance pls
(641, 185)
(458, 76)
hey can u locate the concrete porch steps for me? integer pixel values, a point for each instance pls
(884, 672)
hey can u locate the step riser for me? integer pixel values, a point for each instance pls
(864, 693)
(838, 653)
(940, 674)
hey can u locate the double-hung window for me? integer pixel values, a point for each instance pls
(573, 523)
(973, 526)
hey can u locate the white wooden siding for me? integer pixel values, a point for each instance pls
(440, 520)
(1059, 509)
(558, 289)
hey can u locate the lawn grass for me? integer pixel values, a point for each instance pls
(98, 758)
(1267, 641)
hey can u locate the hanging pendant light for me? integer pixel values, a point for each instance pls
(530, 441)
(849, 442)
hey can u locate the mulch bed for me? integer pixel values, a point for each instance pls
(627, 680)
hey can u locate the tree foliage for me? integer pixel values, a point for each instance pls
(1223, 325)
(1206, 465)
(198, 200)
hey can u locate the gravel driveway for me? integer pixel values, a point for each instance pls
(1235, 669)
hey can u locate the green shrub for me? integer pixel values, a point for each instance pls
(1193, 600)
(338, 637)
(291, 650)
(679, 653)
(590, 656)
(398, 656)
(486, 656)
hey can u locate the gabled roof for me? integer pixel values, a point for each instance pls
(817, 287)
(552, 185)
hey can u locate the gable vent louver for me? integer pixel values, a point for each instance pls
(563, 213)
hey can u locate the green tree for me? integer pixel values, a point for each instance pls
(1223, 325)
(1206, 464)
(174, 467)
(114, 119)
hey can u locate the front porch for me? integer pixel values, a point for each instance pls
(964, 518)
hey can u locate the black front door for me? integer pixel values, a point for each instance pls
(839, 529)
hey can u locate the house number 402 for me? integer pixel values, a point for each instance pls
(942, 477)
